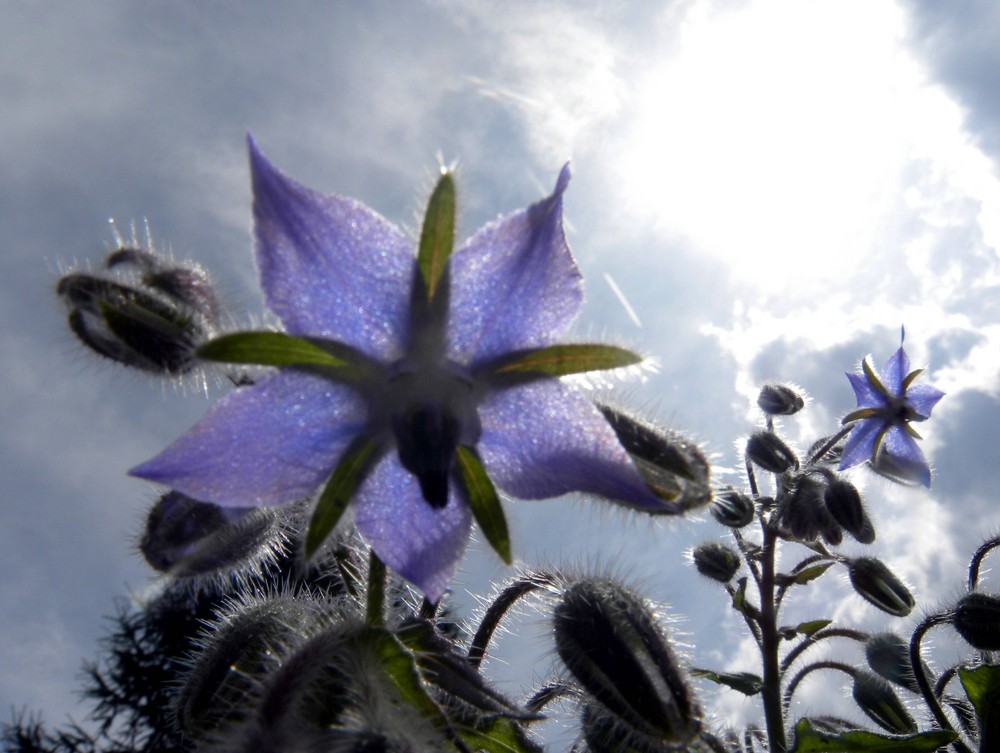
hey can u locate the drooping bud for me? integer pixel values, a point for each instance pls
(889, 657)
(609, 640)
(876, 698)
(802, 513)
(733, 509)
(779, 400)
(675, 468)
(768, 451)
(142, 312)
(844, 503)
(876, 584)
(976, 617)
(716, 561)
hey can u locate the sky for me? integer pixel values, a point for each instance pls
(763, 190)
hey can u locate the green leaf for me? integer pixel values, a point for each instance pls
(280, 349)
(349, 473)
(747, 683)
(497, 735)
(812, 627)
(982, 685)
(437, 237)
(484, 501)
(561, 360)
(801, 577)
(810, 740)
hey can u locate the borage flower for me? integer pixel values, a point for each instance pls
(408, 384)
(887, 404)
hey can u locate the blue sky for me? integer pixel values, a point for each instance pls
(774, 187)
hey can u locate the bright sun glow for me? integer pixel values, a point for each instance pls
(775, 136)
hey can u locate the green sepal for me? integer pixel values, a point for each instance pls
(812, 627)
(349, 473)
(982, 686)
(497, 735)
(484, 502)
(908, 380)
(810, 740)
(280, 349)
(437, 237)
(400, 666)
(873, 380)
(561, 360)
(746, 683)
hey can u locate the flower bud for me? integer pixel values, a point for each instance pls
(733, 509)
(779, 400)
(976, 617)
(844, 504)
(876, 584)
(675, 468)
(153, 320)
(880, 703)
(716, 561)
(889, 657)
(766, 450)
(802, 514)
(609, 640)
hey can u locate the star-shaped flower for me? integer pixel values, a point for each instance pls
(408, 384)
(887, 405)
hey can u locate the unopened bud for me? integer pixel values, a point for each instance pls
(889, 657)
(880, 703)
(675, 468)
(876, 584)
(153, 320)
(802, 513)
(766, 450)
(844, 503)
(779, 400)
(716, 561)
(733, 509)
(610, 641)
(976, 617)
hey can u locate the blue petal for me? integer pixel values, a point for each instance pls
(867, 396)
(895, 371)
(922, 398)
(268, 444)
(859, 444)
(514, 283)
(421, 543)
(903, 449)
(544, 440)
(329, 266)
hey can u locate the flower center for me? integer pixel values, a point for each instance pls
(431, 410)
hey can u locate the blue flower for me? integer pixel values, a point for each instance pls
(888, 403)
(411, 388)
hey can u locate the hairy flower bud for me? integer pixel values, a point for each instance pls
(779, 400)
(889, 657)
(610, 641)
(976, 617)
(768, 451)
(877, 585)
(733, 509)
(674, 468)
(880, 703)
(142, 312)
(844, 503)
(803, 515)
(716, 561)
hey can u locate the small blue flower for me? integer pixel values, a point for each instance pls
(430, 405)
(888, 403)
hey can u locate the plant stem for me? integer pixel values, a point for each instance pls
(375, 606)
(771, 692)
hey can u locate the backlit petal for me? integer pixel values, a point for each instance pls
(867, 396)
(267, 444)
(922, 398)
(330, 266)
(895, 371)
(515, 284)
(858, 447)
(903, 449)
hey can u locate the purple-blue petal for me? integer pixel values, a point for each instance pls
(903, 449)
(866, 395)
(267, 444)
(922, 398)
(421, 543)
(543, 440)
(860, 442)
(895, 371)
(515, 284)
(330, 266)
